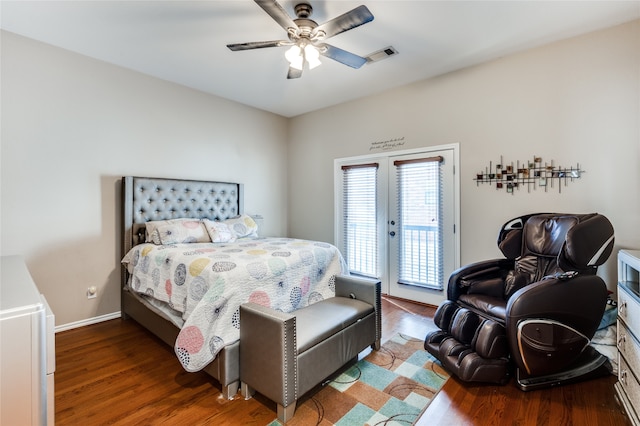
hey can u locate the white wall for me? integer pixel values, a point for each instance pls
(72, 126)
(575, 101)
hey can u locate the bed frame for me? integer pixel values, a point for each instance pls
(145, 199)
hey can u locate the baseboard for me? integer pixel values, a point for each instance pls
(88, 321)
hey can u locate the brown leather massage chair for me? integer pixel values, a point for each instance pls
(533, 313)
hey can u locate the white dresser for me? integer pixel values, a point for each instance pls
(27, 349)
(628, 385)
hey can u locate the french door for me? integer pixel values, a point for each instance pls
(396, 216)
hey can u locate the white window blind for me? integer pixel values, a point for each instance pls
(360, 226)
(420, 222)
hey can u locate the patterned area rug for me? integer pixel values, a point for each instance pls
(392, 386)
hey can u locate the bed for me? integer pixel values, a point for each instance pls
(186, 289)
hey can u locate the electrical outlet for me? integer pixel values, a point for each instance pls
(92, 292)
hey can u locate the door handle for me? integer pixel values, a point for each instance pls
(392, 233)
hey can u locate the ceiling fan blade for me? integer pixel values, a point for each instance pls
(352, 19)
(294, 73)
(258, 45)
(277, 12)
(342, 56)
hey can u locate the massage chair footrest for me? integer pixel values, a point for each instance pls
(470, 346)
(469, 366)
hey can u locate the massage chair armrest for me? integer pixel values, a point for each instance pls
(484, 277)
(576, 303)
(268, 361)
(366, 290)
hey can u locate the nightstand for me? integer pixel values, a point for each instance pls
(27, 354)
(628, 339)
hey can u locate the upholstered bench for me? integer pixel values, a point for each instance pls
(284, 355)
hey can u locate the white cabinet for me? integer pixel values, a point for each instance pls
(27, 349)
(628, 339)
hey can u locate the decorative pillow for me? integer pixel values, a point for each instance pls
(219, 232)
(175, 231)
(243, 226)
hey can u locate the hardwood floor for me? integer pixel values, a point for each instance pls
(116, 372)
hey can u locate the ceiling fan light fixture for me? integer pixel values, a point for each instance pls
(312, 56)
(294, 56)
(298, 54)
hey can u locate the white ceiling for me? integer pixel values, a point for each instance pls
(185, 41)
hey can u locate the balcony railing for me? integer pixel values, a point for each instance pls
(362, 249)
(419, 257)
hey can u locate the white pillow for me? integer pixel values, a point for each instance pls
(243, 226)
(175, 231)
(219, 232)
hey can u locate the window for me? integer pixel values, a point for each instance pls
(419, 213)
(359, 218)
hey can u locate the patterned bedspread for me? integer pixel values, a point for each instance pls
(206, 283)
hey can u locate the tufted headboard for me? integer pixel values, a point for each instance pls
(145, 199)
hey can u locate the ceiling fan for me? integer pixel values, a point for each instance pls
(306, 37)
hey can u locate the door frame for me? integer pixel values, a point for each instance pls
(383, 201)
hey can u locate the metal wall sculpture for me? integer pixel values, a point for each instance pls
(529, 174)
